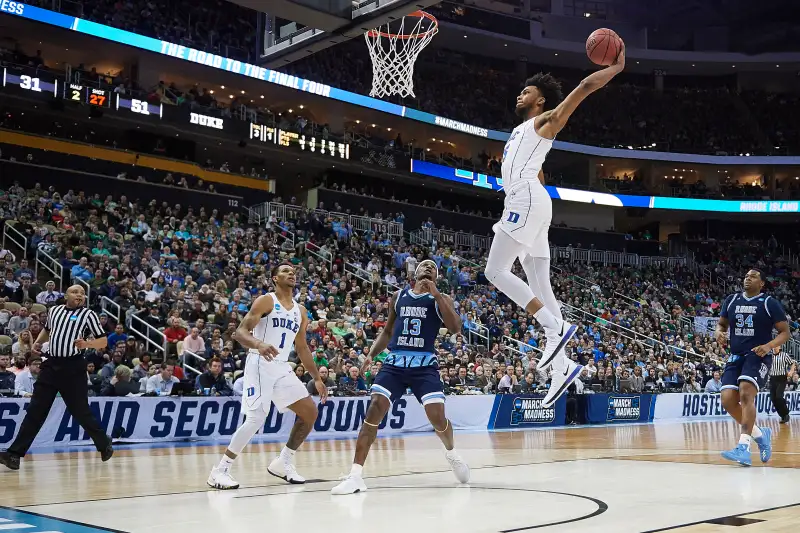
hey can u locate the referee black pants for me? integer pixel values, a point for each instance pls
(68, 377)
(777, 386)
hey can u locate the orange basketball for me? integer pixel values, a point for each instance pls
(603, 46)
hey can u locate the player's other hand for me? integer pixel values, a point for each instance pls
(721, 338)
(620, 61)
(267, 351)
(322, 390)
(762, 350)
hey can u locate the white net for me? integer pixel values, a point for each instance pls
(394, 50)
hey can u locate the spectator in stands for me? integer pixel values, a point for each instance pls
(119, 336)
(194, 343)
(19, 322)
(109, 369)
(326, 379)
(24, 344)
(161, 383)
(26, 290)
(23, 384)
(142, 370)
(213, 382)
(507, 382)
(352, 384)
(121, 384)
(7, 377)
(637, 380)
(81, 270)
(714, 385)
(49, 296)
(690, 385)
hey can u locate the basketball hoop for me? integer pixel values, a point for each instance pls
(393, 53)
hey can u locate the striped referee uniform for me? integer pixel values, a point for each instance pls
(781, 364)
(63, 371)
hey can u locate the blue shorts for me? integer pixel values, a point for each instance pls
(424, 382)
(747, 367)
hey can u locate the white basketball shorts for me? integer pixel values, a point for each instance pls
(527, 213)
(268, 382)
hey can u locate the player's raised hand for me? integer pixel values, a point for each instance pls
(429, 286)
(322, 389)
(620, 61)
(267, 351)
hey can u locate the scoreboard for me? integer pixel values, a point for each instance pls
(43, 84)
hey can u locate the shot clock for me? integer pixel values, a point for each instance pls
(88, 95)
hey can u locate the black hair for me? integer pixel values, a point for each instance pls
(274, 271)
(763, 277)
(550, 88)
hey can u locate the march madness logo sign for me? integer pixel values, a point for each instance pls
(530, 411)
(624, 408)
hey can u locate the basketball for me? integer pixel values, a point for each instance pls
(603, 46)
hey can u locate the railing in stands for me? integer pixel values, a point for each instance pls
(477, 334)
(358, 272)
(289, 212)
(320, 254)
(111, 308)
(14, 235)
(458, 239)
(186, 366)
(144, 331)
(50, 264)
(606, 258)
(86, 287)
(522, 348)
(253, 217)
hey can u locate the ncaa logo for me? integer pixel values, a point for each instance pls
(277, 306)
(204, 120)
(624, 408)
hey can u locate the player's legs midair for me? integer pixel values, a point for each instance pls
(502, 254)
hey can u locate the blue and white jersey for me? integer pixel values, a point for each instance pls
(415, 329)
(751, 320)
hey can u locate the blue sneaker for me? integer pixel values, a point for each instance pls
(765, 444)
(740, 455)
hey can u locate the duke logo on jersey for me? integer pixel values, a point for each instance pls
(412, 361)
(751, 322)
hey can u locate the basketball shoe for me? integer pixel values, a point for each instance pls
(556, 341)
(350, 484)
(221, 479)
(561, 380)
(284, 469)
(459, 467)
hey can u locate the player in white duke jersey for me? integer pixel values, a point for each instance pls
(522, 232)
(274, 324)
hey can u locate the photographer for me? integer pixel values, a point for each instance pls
(691, 384)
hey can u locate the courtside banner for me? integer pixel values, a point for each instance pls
(512, 411)
(695, 406)
(617, 408)
(163, 419)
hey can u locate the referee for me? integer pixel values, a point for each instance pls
(64, 371)
(782, 365)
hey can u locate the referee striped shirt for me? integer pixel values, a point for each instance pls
(781, 364)
(67, 325)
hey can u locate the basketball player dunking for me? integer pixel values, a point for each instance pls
(522, 231)
(415, 317)
(274, 324)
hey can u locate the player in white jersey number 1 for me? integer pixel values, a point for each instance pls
(274, 324)
(523, 229)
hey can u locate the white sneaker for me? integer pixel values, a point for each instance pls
(556, 341)
(561, 382)
(460, 468)
(349, 485)
(220, 479)
(286, 471)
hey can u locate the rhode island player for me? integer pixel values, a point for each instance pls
(750, 317)
(415, 317)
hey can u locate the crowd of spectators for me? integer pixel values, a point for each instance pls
(190, 275)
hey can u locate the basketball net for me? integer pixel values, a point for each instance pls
(393, 53)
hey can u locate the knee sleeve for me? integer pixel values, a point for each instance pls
(254, 422)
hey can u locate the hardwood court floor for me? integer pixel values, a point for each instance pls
(610, 479)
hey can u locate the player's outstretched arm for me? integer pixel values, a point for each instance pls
(304, 353)
(549, 123)
(244, 336)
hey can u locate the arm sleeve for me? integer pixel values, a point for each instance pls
(93, 323)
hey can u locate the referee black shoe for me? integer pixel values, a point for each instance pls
(106, 454)
(9, 461)
(785, 419)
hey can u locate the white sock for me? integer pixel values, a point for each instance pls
(756, 434)
(225, 463)
(450, 453)
(746, 440)
(287, 454)
(356, 470)
(547, 320)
